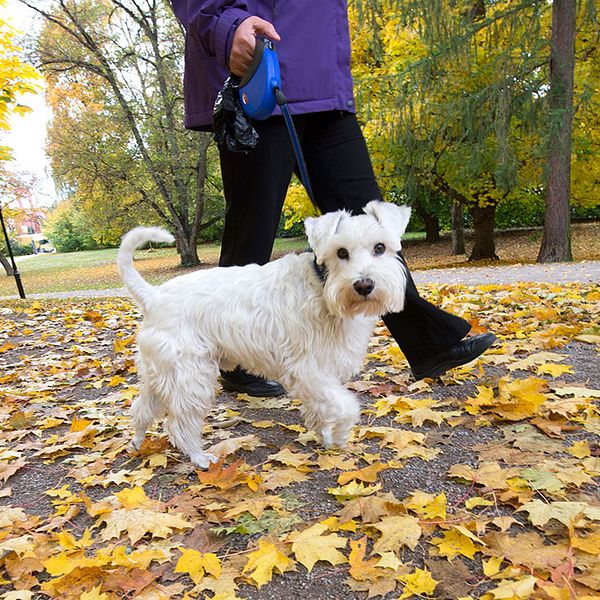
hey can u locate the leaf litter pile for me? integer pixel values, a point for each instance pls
(482, 484)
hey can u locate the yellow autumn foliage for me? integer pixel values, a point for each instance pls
(16, 77)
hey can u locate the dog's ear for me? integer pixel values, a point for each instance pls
(390, 216)
(320, 229)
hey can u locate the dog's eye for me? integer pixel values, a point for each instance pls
(379, 249)
(343, 253)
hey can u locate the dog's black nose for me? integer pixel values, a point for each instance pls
(364, 286)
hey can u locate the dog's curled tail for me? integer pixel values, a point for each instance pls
(138, 287)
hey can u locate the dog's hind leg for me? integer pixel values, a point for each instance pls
(328, 407)
(191, 397)
(145, 409)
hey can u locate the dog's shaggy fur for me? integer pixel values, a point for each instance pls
(303, 320)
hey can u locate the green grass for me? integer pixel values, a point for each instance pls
(96, 269)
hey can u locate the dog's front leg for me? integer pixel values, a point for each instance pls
(329, 408)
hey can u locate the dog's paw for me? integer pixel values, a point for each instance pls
(137, 441)
(342, 434)
(327, 436)
(203, 459)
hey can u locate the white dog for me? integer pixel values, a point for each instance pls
(303, 320)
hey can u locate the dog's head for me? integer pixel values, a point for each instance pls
(359, 255)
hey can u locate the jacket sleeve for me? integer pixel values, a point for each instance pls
(212, 22)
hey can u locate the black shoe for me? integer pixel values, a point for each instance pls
(465, 351)
(241, 381)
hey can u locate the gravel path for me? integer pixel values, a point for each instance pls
(577, 272)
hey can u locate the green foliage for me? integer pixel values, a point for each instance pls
(271, 521)
(17, 248)
(453, 100)
(68, 229)
(117, 141)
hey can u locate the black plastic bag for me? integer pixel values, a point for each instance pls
(231, 126)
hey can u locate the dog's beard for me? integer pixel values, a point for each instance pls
(346, 302)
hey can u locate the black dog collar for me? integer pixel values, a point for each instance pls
(320, 270)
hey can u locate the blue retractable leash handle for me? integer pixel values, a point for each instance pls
(260, 91)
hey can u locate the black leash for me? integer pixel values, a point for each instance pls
(285, 111)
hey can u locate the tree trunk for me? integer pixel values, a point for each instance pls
(432, 228)
(188, 251)
(432, 222)
(556, 241)
(458, 229)
(484, 246)
(7, 266)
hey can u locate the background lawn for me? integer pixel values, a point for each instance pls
(96, 269)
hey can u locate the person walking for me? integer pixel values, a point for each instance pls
(314, 53)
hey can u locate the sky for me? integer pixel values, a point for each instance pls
(27, 137)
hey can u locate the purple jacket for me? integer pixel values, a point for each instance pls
(314, 52)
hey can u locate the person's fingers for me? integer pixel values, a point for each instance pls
(265, 28)
(244, 43)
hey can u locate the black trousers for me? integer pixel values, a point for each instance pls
(341, 175)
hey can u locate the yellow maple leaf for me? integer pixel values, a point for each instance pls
(568, 513)
(389, 560)
(20, 545)
(310, 546)
(196, 564)
(231, 445)
(419, 583)
(354, 489)
(427, 506)
(510, 590)
(335, 461)
(291, 459)
(62, 492)
(368, 474)
(282, 478)
(68, 542)
(418, 416)
(334, 524)
(475, 501)
(553, 369)
(94, 594)
(79, 424)
(255, 506)
(484, 398)
(580, 449)
(132, 497)
(590, 543)
(361, 569)
(397, 531)
(116, 380)
(519, 398)
(139, 559)
(18, 595)
(455, 542)
(492, 566)
(121, 344)
(62, 563)
(263, 561)
(140, 521)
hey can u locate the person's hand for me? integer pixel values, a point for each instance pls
(244, 41)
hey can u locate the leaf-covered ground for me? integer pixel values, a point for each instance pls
(483, 484)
